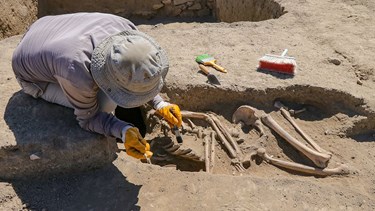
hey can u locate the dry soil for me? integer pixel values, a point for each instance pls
(334, 46)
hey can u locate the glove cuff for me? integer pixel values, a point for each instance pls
(123, 132)
(161, 105)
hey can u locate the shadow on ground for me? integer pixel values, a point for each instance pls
(51, 133)
(102, 189)
(74, 170)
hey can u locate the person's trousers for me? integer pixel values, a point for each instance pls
(53, 93)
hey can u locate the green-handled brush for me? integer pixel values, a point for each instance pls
(208, 60)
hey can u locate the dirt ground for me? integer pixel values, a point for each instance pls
(16, 16)
(334, 46)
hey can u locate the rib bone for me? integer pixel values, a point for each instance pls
(175, 149)
(342, 169)
(319, 159)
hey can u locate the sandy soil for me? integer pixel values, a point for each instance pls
(16, 16)
(334, 45)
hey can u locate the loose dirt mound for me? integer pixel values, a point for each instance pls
(16, 16)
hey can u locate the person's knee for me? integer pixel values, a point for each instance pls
(33, 89)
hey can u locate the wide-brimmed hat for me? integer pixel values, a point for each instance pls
(130, 67)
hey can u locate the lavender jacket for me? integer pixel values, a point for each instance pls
(57, 49)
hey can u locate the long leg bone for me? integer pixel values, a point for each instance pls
(303, 134)
(226, 134)
(342, 169)
(319, 159)
(243, 160)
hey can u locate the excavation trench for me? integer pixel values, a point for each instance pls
(330, 115)
(144, 11)
(47, 138)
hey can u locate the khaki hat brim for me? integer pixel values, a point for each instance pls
(120, 95)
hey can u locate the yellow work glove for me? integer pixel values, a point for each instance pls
(172, 114)
(135, 145)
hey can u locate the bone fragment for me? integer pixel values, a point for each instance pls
(238, 165)
(198, 115)
(249, 116)
(319, 159)
(207, 154)
(279, 105)
(294, 112)
(234, 133)
(212, 154)
(192, 125)
(340, 170)
(303, 134)
(200, 133)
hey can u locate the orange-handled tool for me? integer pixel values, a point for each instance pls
(208, 60)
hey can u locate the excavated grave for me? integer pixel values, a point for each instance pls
(342, 118)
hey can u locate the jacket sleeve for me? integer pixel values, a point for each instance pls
(86, 109)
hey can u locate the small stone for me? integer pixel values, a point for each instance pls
(190, 3)
(166, 2)
(178, 2)
(9, 78)
(359, 82)
(158, 25)
(183, 7)
(353, 157)
(341, 135)
(157, 6)
(240, 141)
(196, 6)
(34, 157)
(334, 61)
(176, 12)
